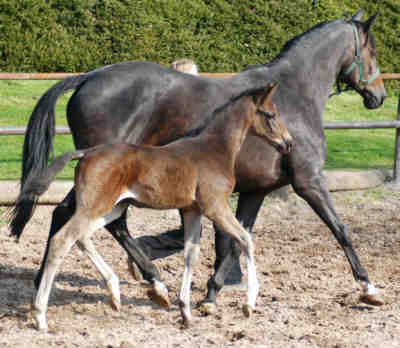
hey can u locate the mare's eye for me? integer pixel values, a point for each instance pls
(267, 114)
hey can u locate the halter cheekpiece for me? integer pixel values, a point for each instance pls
(358, 62)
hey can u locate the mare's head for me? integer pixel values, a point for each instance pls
(360, 70)
(266, 121)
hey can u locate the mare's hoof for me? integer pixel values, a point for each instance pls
(208, 308)
(242, 286)
(134, 271)
(186, 324)
(159, 297)
(372, 299)
(247, 310)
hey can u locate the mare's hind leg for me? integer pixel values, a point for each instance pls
(136, 256)
(111, 280)
(192, 223)
(313, 190)
(144, 249)
(61, 214)
(159, 292)
(225, 221)
(59, 246)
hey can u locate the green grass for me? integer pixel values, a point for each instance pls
(358, 149)
(17, 100)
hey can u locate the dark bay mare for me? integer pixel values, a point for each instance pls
(195, 174)
(144, 103)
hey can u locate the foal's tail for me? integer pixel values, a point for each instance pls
(33, 188)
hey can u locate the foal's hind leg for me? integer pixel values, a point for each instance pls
(111, 280)
(59, 246)
(61, 214)
(192, 223)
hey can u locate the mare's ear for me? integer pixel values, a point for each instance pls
(369, 22)
(358, 15)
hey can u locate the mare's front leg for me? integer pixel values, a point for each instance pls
(192, 223)
(314, 190)
(227, 263)
(119, 230)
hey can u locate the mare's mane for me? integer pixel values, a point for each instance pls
(315, 34)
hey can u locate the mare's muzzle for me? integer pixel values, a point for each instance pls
(373, 96)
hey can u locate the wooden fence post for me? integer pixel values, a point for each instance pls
(396, 169)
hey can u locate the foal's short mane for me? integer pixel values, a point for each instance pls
(196, 131)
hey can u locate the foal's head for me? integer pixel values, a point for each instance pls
(266, 121)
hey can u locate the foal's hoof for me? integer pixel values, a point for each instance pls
(135, 271)
(115, 304)
(372, 299)
(247, 310)
(159, 294)
(40, 322)
(208, 308)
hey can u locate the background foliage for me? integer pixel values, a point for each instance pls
(221, 35)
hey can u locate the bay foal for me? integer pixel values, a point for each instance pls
(195, 174)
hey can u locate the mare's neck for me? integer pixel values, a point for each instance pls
(311, 63)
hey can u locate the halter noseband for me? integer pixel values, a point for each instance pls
(358, 62)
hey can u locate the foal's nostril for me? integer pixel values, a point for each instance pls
(289, 145)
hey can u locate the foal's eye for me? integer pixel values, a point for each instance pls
(267, 114)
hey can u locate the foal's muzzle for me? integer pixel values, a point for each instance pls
(286, 145)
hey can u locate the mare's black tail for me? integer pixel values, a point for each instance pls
(34, 186)
(40, 131)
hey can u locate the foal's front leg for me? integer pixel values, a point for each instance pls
(192, 223)
(225, 221)
(227, 264)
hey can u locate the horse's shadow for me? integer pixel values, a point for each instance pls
(17, 291)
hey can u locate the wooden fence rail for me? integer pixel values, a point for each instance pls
(327, 125)
(61, 76)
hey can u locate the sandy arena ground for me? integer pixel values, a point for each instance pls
(308, 297)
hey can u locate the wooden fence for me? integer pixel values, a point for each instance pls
(327, 125)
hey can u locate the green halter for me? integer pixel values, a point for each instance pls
(358, 62)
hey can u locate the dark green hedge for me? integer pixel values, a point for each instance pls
(221, 35)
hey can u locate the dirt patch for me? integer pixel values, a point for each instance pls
(308, 297)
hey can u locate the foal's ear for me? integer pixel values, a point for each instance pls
(358, 15)
(369, 22)
(265, 94)
(270, 90)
